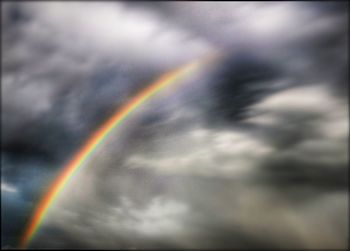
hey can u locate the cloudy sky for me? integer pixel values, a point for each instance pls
(252, 152)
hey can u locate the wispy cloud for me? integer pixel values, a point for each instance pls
(8, 188)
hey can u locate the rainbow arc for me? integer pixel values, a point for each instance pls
(83, 154)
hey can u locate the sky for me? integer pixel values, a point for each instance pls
(250, 152)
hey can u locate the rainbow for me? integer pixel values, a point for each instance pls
(93, 142)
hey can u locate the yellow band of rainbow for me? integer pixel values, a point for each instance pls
(93, 142)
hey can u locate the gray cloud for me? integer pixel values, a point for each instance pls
(228, 184)
(256, 143)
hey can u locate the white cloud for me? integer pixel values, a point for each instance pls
(325, 114)
(204, 151)
(5, 187)
(160, 217)
(116, 31)
(310, 98)
(250, 22)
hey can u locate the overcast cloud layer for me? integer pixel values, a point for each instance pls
(252, 152)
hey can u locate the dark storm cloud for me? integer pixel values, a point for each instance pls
(242, 80)
(13, 217)
(23, 179)
(256, 145)
(288, 173)
(340, 7)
